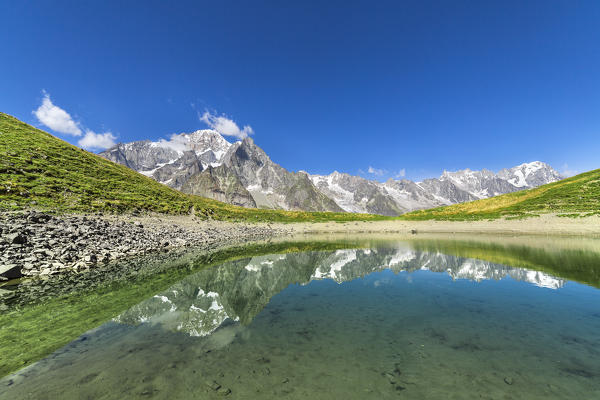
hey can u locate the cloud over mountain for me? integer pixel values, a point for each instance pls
(56, 118)
(225, 126)
(97, 141)
(59, 120)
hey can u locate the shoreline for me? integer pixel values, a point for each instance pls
(547, 225)
(36, 244)
(39, 244)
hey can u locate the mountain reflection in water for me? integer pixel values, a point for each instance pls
(364, 318)
(239, 290)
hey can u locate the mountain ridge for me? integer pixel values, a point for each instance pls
(183, 161)
(42, 172)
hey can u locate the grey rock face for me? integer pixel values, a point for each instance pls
(251, 179)
(221, 184)
(270, 184)
(141, 156)
(356, 194)
(177, 173)
(304, 196)
(446, 192)
(171, 162)
(481, 184)
(248, 178)
(530, 175)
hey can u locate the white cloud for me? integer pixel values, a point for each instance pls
(97, 141)
(567, 172)
(177, 142)
(56, 118)
(382, 172)
(225, 126)
(376, 171)
(61, 121)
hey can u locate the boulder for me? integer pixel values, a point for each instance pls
(10, 271)
(16, 238)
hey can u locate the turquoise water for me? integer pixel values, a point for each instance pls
(383, 322)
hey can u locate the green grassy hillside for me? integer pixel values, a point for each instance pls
(577, 196)
(38, 170)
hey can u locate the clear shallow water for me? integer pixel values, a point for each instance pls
(393, 321)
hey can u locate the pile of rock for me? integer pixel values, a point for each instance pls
(35, 243)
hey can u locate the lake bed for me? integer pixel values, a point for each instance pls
(394, 318)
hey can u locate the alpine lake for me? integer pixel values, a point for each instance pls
(369, 317)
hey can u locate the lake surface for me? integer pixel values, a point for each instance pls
(413, 319)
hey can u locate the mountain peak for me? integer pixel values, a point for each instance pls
(530, 174)
(204, 132)
(248, 141)
(173, 161)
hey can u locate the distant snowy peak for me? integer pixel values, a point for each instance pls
(467, 177)
(260, 182)
(172, 161)
(205, 140)
(524, 176)
(357, 194)
(531, 174)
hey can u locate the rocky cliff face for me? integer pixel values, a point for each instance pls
(355, 194)
(206, 164)
(176, 173)
(219, 183)
(174, 161)
(530, 175)
(271, 185)
(141, 156)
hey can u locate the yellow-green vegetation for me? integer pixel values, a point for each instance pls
(30, 333)
(579, 265)
(38, 170)
(578, 196)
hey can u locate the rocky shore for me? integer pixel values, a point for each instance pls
(40, 244)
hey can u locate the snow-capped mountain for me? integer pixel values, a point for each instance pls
(271, 185)
(241, 173)
(206, 164)
(356, 194)
(530, 174)
(174, 161)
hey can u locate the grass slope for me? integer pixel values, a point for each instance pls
(37, 170)
(577, 196)
(573, 264)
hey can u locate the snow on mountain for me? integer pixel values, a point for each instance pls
(205, 163)
(172, 161)
(530, 174)
(331, 269)
(356, 194)
(207, 143)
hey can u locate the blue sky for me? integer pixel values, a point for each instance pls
(413, 86)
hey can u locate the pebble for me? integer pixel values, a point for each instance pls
(214, 385)
(42, 244)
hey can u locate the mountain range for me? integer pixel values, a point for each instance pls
(241, 173)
